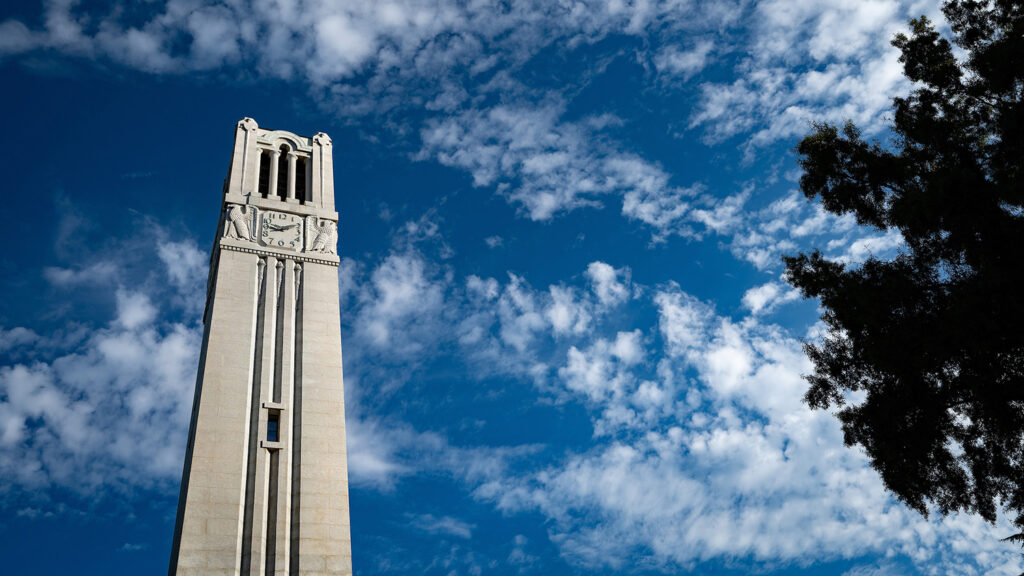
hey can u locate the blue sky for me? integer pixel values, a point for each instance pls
(567, 345)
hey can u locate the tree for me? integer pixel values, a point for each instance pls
(923, 359)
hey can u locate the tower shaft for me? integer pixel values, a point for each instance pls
(265, 483)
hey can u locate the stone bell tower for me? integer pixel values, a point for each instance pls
(264, 490)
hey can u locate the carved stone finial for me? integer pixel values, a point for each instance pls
(247, 124)
(321, 139)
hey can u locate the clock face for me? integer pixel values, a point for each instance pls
(281, 230)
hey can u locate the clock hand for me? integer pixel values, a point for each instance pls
(277, 228)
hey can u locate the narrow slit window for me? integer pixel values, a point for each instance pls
(273, 423)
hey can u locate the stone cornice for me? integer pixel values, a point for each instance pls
(250, 248)
(277, 205)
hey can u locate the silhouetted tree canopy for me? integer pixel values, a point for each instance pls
(923, 359)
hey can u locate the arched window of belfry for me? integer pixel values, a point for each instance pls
(264, 181)
(282, 173)
(301, 170)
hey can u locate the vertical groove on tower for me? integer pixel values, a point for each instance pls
(271, 551)
(296, 436)
(263, 312)
(279, 333)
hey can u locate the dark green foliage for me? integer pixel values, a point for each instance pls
(934, 338)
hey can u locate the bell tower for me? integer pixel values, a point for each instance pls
(264, 489)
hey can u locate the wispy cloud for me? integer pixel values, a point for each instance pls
(548, 166)
(444, 525)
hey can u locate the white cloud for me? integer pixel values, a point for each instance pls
(790, 224)
(810, 61)
(97, 418)
(685, 63)
(519, 555)
(100, 407)
(566, 313)
(16, 337)
(754, 477)
(548, 166)
(880, 246)
(724, 215)
(445, 525)
(604, 280)
(186, 266)
(703, 449)
(683, 321)
(766, 297)
(97, 273)
(134, 309)
(431, 45)
(400, 305)
(461, 62)
(601, 371)
(372, 459)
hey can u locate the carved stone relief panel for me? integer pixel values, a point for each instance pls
(242, 222)
(321, 236)
(281, 230)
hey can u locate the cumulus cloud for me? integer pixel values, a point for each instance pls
(96, 417)
(742, 478)
(400, 303)
(598, 371)
(611, 286)
(766, 297)
(703, 448)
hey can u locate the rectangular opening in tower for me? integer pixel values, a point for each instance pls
(273, 427)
